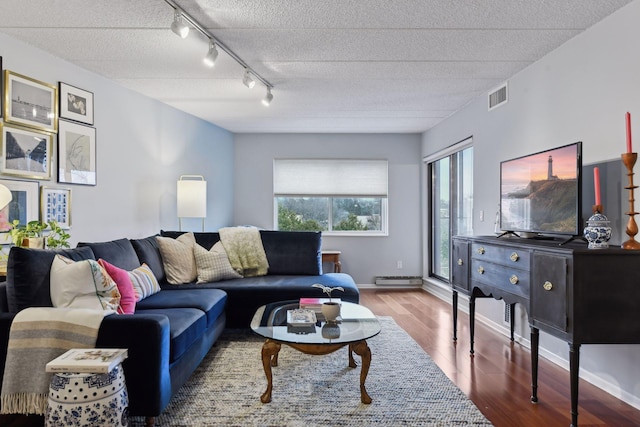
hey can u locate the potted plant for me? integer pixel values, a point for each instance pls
(29, 235)
(57, 237)
(330, 309)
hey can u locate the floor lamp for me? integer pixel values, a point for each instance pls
(192, 198)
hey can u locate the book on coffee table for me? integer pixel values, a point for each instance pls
(88, 360)
(315, 304)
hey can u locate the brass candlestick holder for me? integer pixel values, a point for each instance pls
(629, 160)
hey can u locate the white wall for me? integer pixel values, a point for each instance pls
(579, 92)
(362, 257)
(143, 146)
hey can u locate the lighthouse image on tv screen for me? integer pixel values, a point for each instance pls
(540, 193)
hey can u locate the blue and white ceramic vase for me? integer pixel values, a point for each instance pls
(598, 232)
(88, 400)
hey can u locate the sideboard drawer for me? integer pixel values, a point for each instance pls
(518, 258)
(549, 290)
(511, 280)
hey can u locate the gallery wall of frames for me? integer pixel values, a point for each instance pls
(48, 143)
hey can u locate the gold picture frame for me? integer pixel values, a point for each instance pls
(55, 205)
(26, 153)
(30, 102)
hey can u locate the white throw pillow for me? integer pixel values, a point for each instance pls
(82, 284)
(213, 265)
(177, 258)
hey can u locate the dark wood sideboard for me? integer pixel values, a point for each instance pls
(579, 295)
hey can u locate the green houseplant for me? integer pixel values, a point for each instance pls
(30, 235)
(331, 309)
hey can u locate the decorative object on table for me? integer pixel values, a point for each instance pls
(598, 231)
(75, 103)
(88, 360)
(27, 235)
(629, 160)
(331, 330)
(76, 153)
(30, 102)
(191, 198)
(26, 152)
(88, 399)
(22, 207)
(330, 309)
(301, 317)
(55, 205)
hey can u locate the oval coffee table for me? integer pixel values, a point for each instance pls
(355, 325)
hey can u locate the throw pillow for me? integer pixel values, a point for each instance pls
(82, 284)
(213, 265)
(123, 281)
(144, 282)
(177, 258)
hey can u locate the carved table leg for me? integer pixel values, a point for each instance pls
(270, 351)
(362, 349)
(574, 369)
(455, 315)
(352, 362)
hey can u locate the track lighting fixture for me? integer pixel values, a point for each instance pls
(247, 80)
(180, 28)
(212, 54)
(268, 98)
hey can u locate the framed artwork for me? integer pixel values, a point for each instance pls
(30, 102)
(23, 206)
(55, 204)
(76, 153)
(75, 104)
(1, 89)
(26, 152)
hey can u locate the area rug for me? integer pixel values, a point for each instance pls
(407, 387)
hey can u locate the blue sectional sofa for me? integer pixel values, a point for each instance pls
(171, 331)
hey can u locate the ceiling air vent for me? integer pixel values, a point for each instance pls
(498, 97)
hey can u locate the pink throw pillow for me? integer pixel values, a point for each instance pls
(123, 282)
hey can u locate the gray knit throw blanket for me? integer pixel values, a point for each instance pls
(37, 336)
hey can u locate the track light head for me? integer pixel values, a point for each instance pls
(210, 58)
(247, 80)
(268, 98)
(178, 27)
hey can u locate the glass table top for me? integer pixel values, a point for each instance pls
(356, 323)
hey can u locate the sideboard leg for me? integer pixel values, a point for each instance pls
(535, 341)
(512, 319)
(574, 367)
(455, 315)
(472, 321)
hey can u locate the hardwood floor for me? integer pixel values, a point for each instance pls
(498, 378)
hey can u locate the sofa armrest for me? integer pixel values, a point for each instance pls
(146, 369)
(5, 327)
(4, 299)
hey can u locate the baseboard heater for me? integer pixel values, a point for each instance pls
(399, 280)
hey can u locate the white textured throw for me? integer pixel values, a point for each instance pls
(37, 336)
(245, 251)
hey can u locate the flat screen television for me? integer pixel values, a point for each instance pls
(540, 193)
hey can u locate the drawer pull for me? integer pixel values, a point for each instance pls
(460, 261)
(514, 256)
(481, 250)
(547, 285)
(481, 270)
(514, 279)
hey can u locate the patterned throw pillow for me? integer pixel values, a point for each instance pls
(123, 281)
(213, 265)
(144, 282)
(177, 258)
(82, 284)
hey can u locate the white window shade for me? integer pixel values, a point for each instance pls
(312, 177)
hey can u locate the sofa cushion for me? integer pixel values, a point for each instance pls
(149, 253)
(117, 252)
(144, 282)
(29, 272)
(205, 239)
(293, 252)
(82, 284)
(123, 281)
(186, 325)
(213, 265)
(211, 301)
(177, 258)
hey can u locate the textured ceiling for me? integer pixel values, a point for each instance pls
(394, 66)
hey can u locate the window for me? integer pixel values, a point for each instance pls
(451, 203)
(335, 196)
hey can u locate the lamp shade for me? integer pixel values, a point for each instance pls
(192, 196)
(5, 196)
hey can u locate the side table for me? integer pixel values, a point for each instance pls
(334, 257)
